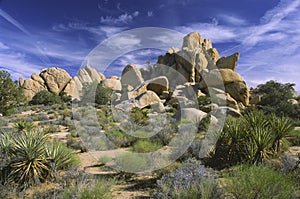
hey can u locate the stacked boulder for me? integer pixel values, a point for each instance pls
(195, 69)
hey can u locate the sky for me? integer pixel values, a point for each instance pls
(36, 34)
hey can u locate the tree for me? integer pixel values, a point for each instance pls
(275, 98)
(11, 95)
(96, 93)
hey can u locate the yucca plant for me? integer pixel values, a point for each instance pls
(29, 163)
(23, 126)
(281, 127)
(61, 156)
(261, 140)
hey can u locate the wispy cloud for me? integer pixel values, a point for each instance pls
(119, 20)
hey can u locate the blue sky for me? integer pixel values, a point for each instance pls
(36, 34)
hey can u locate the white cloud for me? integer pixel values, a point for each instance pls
(150, 13)
(119, 20)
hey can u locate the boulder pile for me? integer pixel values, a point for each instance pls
(178, 77)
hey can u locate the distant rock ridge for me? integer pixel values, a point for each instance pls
(197, 61)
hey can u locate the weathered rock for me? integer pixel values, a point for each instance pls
(229, 62)
(37, 78)
(31, 87)
(229, 111)
(21, 81)
(191, 114)
(112, 83)
(158, 107)
(131, 75)
(55, 79)
(141, 101)
(215, 78)
(214, 54)
(72, 90)
(194, 40)
(239, 91)
(158, 84)
(94, 75)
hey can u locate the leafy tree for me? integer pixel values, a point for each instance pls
(96, 93)
(275, 98)
(46, 98)
(11, 95)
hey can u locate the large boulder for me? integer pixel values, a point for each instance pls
(114, 84)
(218, 77)
(55, 79)
(31, 87)
(144, 100)
(94, 75)
(191, 114)
(158, 84)
(239, 91)
(131, 75)
(194, 40)
(229, 62)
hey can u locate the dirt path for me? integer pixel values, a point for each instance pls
(134, 186)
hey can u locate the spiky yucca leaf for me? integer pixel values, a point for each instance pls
(29, 162)
(61, 156)
(281, 127)
(23, 126)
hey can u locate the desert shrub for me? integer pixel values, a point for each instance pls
(190, 180)
(76, 144)
(11, 94)
(139, 116)
(119, 137)
(259, 182)
(131, 162)
(46, 98)
(3, 122)
(252, 138)
(100, 188)
(23, 126)
(51, 129)
(165, 135)
(39, 117)
(96, 93)
(294, 137)
(145, 146)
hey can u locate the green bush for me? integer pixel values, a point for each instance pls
(11, 95)
(131, 162)
(252, 138)
(96, 93)
(249, 182)
(139, 116)
(145, 146)
(96, 189)
(46, 98)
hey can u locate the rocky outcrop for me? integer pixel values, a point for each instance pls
(144, 100)
(31, 87)
(177, 79)
(132, 76)
(114, 84)
(229, 62)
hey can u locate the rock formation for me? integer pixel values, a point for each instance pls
(196, 69)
